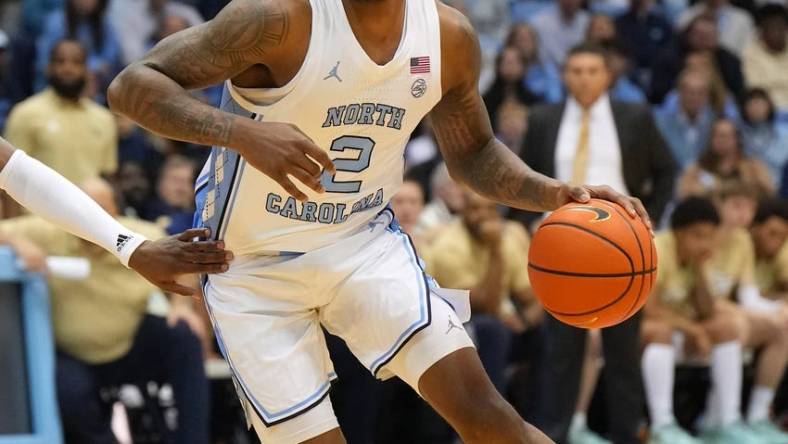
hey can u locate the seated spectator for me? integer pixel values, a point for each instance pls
(137, 20)
(66, 131)
(134, 187)
(135, 145)
(686, 130)
(542, 78)
(173, 206)
(722, 102)
(423, 148)
(560, 28)
(763, 323)
(512, 124)
(765, 59)
(701, 35)
(508, 84)
(17, 56)
(769, 231)
(103, 336)
(736, 22)
(407, 205)
(601, 29)
(34, 12)
(683, 318)
(446, 203)
(487, 256)
(622, 88)
(763, 139)
(648, 31)
(724, 159)
(84, 21)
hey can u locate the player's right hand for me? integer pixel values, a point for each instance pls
(283, 152)
(162, 261)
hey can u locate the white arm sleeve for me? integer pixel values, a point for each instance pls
(51, 196)
(750, 298)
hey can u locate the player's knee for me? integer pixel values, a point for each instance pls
(657, 332)
(725, 327)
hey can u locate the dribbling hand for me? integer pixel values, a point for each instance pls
(161, 261)
(282, 152)
(634, 207)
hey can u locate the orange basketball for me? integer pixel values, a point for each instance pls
(592, 265)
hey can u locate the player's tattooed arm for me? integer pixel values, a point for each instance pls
(154, 90)
(462, 127)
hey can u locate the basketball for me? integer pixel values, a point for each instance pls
(592, 265)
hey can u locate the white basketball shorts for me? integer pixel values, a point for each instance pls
(369, 289)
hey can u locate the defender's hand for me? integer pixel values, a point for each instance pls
(633, 205)
(161, 261)
(282, 152)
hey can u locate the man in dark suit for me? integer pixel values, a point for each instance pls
(589, 139)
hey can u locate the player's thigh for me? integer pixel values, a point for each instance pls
(656, 331)
(727, 323)
(763, 328)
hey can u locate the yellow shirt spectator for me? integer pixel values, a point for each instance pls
(95, 320)
(731, 266)
(76, 139)
(772, 276)
(457, 260)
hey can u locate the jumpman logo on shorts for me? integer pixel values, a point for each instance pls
(333, 73)
(452, 325)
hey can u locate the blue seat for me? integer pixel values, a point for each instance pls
(31, 370)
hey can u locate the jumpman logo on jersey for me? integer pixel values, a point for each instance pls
(452, 325)
(372, 225)
(333, 73)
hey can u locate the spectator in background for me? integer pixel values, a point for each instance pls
(685, 300)
(648, 31)
(134, 145)
(701, 35)
(84, 21)
(136, 21)
(724, 159)
(687, 129)
(765, 59)
(422, 149)
(34, 12)
(173, 206)
(542, 78)
(622, 88)
(17, 57)
(601, 29)
(407, 205)
(104, 337)
(763, 139)
(487, 256)
(589, 139)
(768, 231)
(508, 86)
(512, 124)
(763, 323)
(736, 23)
(134, 187)
(66, 131)
(446, 202)
(560, 28)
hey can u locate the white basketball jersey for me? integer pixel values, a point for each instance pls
(361, 113)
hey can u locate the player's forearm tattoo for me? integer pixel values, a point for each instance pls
(482, 162)
(153, 91)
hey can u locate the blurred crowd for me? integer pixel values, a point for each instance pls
(683, 104)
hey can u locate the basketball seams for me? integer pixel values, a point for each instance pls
(590, 275)
(642, 258)
(615, 245)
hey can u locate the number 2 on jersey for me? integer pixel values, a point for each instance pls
(364, 146)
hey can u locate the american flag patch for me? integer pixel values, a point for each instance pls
(420, 65)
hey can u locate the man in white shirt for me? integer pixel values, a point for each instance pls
(765, 59)
(735, 24)
(560, 28)
(591, 139)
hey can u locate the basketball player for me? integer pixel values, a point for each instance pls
(48, 194)
(308, 80)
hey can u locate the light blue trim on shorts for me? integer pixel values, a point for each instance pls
(423, 307)
(269, 419)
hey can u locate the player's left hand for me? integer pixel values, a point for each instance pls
(163, 260)
(573, 193)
